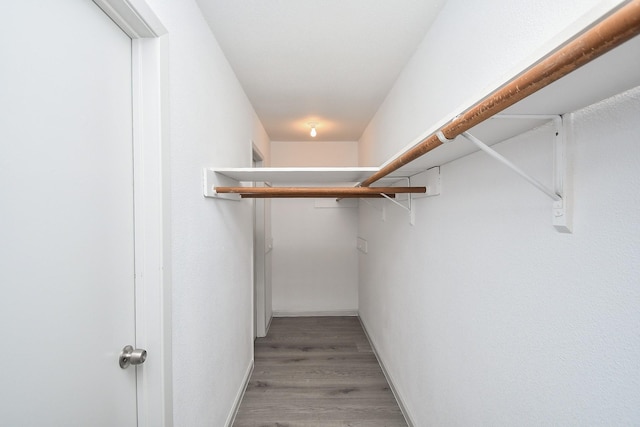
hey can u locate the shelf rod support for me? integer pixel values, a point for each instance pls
(490, 151)
(409, 208)
(395, 202)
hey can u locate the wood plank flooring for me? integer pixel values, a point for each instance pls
(317, 371)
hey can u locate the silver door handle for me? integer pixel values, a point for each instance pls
(129, 356)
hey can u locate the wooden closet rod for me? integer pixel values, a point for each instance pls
(613, 30)
(342, 192)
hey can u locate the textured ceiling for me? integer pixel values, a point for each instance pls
(326, 61)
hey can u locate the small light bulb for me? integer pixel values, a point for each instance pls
(313, 132)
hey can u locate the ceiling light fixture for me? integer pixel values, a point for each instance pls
(313, 132)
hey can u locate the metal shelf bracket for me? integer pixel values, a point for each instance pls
(561, 215)
(430, 179)
(409, 203)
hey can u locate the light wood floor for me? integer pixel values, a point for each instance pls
(317, 371)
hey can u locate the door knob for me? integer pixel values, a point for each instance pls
(131, 356)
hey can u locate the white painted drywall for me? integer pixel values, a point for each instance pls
(315, 262)
(482, 313)
(314, 153)
(212, 124)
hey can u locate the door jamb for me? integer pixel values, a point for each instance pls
(258, 256)
(150, 65)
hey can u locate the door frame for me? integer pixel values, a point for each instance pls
(150, 46)
(259, 255)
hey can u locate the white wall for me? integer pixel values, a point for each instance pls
(314, 154)
(315, 263)
(212, 124)
(482, 313)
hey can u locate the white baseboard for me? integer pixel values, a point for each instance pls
(238, 400)
(403, 408)
(332, 313)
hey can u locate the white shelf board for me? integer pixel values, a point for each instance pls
(609, 75)
(298, 175)
(615, 72)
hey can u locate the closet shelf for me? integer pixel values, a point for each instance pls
(226, 183)
(599, 62)
(608, 75)
(602, 60)
(320, 175)
(591, 78)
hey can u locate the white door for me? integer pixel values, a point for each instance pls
(66, 216)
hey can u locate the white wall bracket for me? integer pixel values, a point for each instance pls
(561, 217)
(430, 179)
(406, 208)
(562, 178)
(408, 197)
(490, 151)
(213, 179)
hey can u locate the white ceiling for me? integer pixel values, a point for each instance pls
(326, 61)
